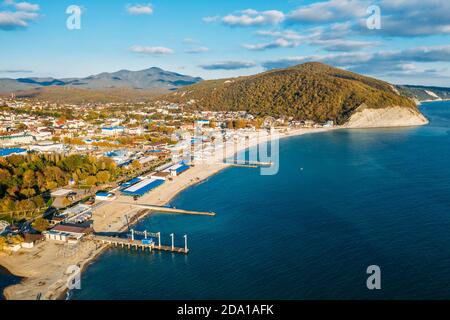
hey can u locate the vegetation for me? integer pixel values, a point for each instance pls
(40, 224)
(5, 241)
(26, 180)
(312, 91)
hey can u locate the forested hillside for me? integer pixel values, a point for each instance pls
(311, 91)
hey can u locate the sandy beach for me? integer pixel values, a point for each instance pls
(43, 268)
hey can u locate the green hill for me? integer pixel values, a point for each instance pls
(311, 91)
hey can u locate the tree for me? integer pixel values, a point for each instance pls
(103, 177)
(41, 224)
(136, 165)
(2, 243)
(91, 181)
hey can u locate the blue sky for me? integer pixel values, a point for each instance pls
(214, 39)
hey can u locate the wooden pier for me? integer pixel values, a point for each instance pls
(136, 244)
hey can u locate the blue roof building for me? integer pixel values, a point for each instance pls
(141, 188)
(11, 151)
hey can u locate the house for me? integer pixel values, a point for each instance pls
(67, 233)
(29, 240)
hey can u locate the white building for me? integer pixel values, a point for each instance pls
(112, 131)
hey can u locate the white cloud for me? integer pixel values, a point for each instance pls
(378, 63)
(249, 17)
(229, 65)
(152, 50)
(139, 9)
(328, 39)
(197, 50)
(14, 20)
(278, 43)
(329, 11)
(22, 6)
(211, 19)
(25, 13)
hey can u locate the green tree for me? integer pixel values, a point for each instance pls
(41, 224)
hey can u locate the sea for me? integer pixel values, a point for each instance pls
(341, 202)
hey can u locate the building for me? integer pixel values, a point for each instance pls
(67, 233)
(161, 175)
(30, 240)
(3, 226)
(16, 139)
(48, 147)
(77, 214)
(141, 188)
(177, 169)
(130, 183)
(11, 151)
(120, 157)
(112, 131)
(60, 193)
(146, 160)
(105, 196)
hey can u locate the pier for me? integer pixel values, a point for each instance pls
(169, 210)
(247, 164)
(142, 244)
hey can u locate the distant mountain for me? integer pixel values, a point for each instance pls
(311, 91)
(424, 93)
(149, 79)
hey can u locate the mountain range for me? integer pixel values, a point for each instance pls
(149, 79)
(425, 93)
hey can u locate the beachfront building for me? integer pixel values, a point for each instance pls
(67, 233)
(177, 169)
(30, 240)
(141, 188)
(11, 151)
(130, 183)
(105, 196)
(77, 214)
(162, 175)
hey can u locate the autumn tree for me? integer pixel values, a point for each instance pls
(40, 224)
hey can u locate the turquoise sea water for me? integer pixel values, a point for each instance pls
(363, 197)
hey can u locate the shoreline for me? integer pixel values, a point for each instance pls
(108, 218)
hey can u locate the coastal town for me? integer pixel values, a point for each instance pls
(70, 174)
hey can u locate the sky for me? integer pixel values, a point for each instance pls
(400, 41)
